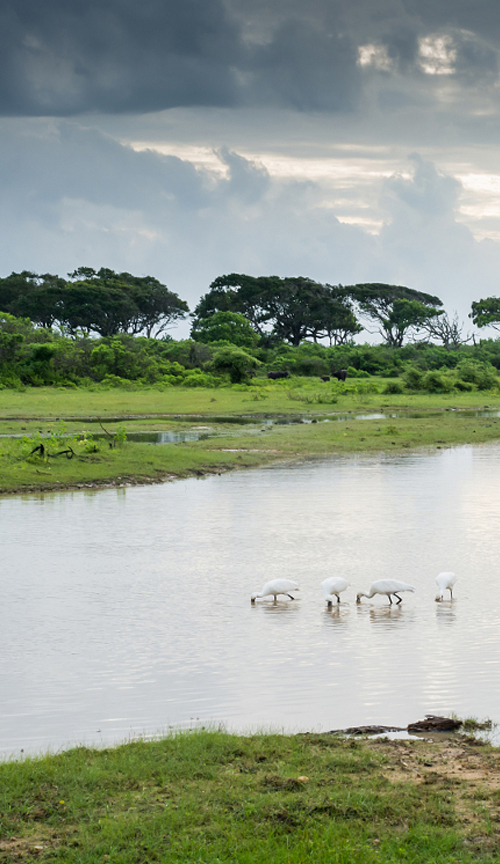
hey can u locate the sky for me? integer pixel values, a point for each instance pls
(343, 140)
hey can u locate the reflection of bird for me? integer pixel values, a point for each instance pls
(275, 587)
(388, 587)
(334, 585)
(445, 581)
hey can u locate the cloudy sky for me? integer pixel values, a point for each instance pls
(344, 140)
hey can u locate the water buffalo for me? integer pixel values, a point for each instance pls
(341, 375)
(275, 376)
(325, 377)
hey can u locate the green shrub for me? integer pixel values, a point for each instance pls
(482, 375)
(435, 382)
(234, 362)
(413, 378)
(464, 386)
(396, 387)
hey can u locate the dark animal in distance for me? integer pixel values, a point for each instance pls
(341, 375)
(325, 377)
(275, 376)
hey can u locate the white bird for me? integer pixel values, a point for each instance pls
(388, 587)
(334, 585)
(445, 581)
(275, 587)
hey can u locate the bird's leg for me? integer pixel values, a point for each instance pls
(451, 594)
(290, 596)
(390, 601)
(400, 599)
(338, 598)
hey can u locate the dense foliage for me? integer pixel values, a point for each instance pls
(36, 356)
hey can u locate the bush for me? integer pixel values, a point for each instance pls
(234, 362)
(397, 387)
(436, 382)
(413, 378)
(481, 375)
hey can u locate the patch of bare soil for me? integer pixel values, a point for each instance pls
(464, 768)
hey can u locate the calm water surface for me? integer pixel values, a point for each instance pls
(128, 611)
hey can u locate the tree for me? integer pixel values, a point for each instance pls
(337, 322)
(449, 332)
(236, 292)
(290, 309)
(486, 313)
(32, 296)
(397, 310)
(225, 326)
(109, 303)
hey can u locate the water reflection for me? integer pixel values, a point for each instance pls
(445, 612)
(128, 611)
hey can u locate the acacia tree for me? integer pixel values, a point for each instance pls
(109, 303)
(486, 313)
(397, 310)
(289, 309)
(101, 301)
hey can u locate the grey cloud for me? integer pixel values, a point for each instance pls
(78, 197)
(428, 192)
(307, 68)
(65, 57)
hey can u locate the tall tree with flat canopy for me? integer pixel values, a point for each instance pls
(290, 309)
(397, 310)
(109, 303)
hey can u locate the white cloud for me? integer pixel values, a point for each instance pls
(437, 55)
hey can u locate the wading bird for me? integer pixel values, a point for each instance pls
(445, 581)
(333, 586)
(275, 587)
(387, 587)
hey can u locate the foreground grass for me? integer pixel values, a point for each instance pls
(213, 797)
(421, 420)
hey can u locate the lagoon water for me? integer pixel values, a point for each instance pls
(126, 612)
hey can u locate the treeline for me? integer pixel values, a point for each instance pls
(247, 310)
(101, 328)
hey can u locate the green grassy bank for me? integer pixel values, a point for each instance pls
(215, 797)
(235, 416)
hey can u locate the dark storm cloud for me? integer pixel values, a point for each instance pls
(66, 57)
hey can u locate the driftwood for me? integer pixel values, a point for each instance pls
(69, 452)
(430, 724)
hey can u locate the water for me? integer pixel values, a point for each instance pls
(126, 612)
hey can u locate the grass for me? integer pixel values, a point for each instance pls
(421, 420)
(208, 796)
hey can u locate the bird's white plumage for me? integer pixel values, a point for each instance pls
(333, 586)
(445, 581)
(275, 587)
(387, 587)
